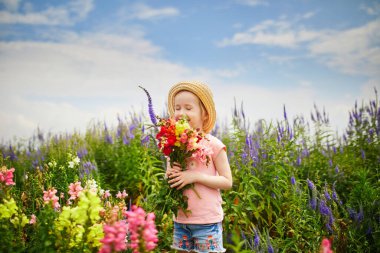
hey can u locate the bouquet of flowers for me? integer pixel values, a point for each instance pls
(178, 141)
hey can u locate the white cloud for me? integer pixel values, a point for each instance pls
(352, 51)
(64, 85)
(145, 12)
(68, 14)
(273, 33)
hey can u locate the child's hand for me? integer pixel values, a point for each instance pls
(179, 179)
(170, 170)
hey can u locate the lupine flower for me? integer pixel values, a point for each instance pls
(125, 140)
(141, 227)
(327, 194)
(256, 241)
(50, 197)
(313, 202)
(310, 184)
(152, 115)
(114, 237)
(145, 140)
(6, 176)
(360, 215)
(82, 153)
(299, 160)
(293, 180)
(12, 154)
(74, 190)
(323, 208)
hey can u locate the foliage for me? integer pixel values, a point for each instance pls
(295, 183)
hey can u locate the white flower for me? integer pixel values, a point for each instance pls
(71, 164)
(92, 185)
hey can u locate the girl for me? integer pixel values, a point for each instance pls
(201, 229)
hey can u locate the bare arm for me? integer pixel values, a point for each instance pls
(179, 179)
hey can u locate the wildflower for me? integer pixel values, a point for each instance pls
(325, 246)
(6, 176)
(313, 203)
(74, 162)
(92, 185)
(114, 237)
(327, 194)
(323, 208)
(50, 197)
(150, 107)
(121, 195)
(145, 140)
(74, 190)
(142, 228)
(256, 240)
(81, 153)
(310, 184)
(299, 160)
(292, 180)
(106, 194)
(33, 219)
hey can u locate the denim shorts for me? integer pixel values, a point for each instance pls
(200, 238)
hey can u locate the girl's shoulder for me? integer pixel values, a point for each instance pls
(215, 143)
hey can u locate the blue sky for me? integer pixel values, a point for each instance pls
(64, 64)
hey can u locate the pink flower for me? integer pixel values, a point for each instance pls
(121, 195)
(74, 190)
(203, 153)
(114, 237)
(33, 219)
(326, 246)
(6, 176)
(141, 227)
(183, 138)
(106, 194)
(50, 197)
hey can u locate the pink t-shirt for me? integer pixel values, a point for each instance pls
(208, 208)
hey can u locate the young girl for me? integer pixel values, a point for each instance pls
(201, 229)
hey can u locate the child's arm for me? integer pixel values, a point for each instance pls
(223, 181)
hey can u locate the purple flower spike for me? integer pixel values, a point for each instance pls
(310, 184)
(256, 240)
(152, 115)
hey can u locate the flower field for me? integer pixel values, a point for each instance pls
(295, 183)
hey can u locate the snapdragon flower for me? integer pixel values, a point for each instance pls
(6, 176)
(142, 229)
(114, 237)
(74, 190)
(50, 197)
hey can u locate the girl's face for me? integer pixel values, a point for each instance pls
(187, 104)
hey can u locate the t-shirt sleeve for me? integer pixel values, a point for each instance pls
(216, 146)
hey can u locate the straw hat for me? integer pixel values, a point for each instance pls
(203, 92)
